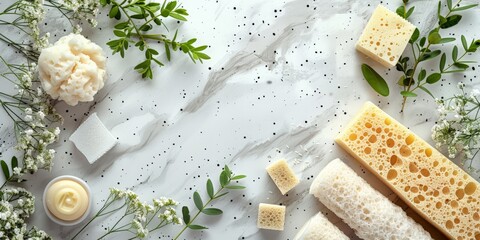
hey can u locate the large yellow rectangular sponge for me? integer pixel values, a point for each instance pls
(427, 181)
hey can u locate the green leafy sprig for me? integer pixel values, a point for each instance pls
(226, 178)
(414, 77)
(141, 19)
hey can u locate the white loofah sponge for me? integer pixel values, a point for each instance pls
(363, 208)
(319, 228)
(73, 69)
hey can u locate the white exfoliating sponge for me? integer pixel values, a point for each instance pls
(93, 139)
(319, 228)
(363, 208)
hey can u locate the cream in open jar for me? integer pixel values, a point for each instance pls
(67, 200)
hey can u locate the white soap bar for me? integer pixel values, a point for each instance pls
(93, 139)
(363, 208)
(385, 37)
(319, 228)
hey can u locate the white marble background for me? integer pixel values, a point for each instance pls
(283, 80)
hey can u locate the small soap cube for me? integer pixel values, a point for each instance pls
(282, 175)
(271, 216)
(385, 37)
(93, 139)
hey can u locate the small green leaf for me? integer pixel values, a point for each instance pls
(422, 74)
(212, 211)
(408, 94)
(446, 40)
(433, 78)
(415, 36)
(221, 195)
(464, 43)
(238, 177)
(409, 12)
(434, 37)
(401, 11)
(426, 90)
(210, 190)
(202, 55)
(121, 25)
(451, 21)
(429, 55)
(449, 4)
(422, 41)
(119, 33)
(375, 80)
(113, 12)
(223, 179)
(167, 51)
(228, 171)
(408, 81)
(234, 187)
(454, 53)
(177, 16)
(443, 61)
(5, 170)
(464, 7)
(196, 227)
(461, 65)
(198, 200)
(14, 162)
(186, 214)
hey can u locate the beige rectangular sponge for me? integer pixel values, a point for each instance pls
(385, 37)
(283, 176)
(271, 217)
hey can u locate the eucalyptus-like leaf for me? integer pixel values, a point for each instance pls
(434, 37)
(234, 187)
(197, 227)
(457, 9)
(429, 55)
(375, 80)
(451, 21)
(6, 171)
(210, 189)
(238, 177)
(422, 74)
(409, 12)
(212, 211)
(14, 162)
(223, 179)
(433, 78)
(408, 94)
(186, 214)
(197, 200)
(464, 43)
(443, 61)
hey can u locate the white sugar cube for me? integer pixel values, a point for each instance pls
(93, 139)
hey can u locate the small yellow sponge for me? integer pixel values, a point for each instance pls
(430, 183)
(271, 216)
(282, 175)
(385, 37)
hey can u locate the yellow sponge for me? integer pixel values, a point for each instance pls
(430, 183)
(385, 37)
(271, 216)
(282, 175)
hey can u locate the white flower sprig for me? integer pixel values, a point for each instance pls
(458, 126)
(33, 115)
(16, 205)
(139, 218)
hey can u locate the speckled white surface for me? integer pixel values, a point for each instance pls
(283, 80)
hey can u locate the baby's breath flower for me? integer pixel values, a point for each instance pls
(458, 126)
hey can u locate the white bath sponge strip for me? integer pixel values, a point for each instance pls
(319, 228)
(363, 208)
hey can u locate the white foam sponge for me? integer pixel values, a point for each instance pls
(319, 228)
(93, 139)
(271, 216)
(363, 208)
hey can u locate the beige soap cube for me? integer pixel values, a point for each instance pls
(271, 216)
(385, 37)
(282, 175)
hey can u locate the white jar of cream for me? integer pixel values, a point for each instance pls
(67, 200)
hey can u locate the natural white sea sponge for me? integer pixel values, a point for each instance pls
(283, 176)
(363, 208)
(319, 228)
(271, 216)
(73, 69)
